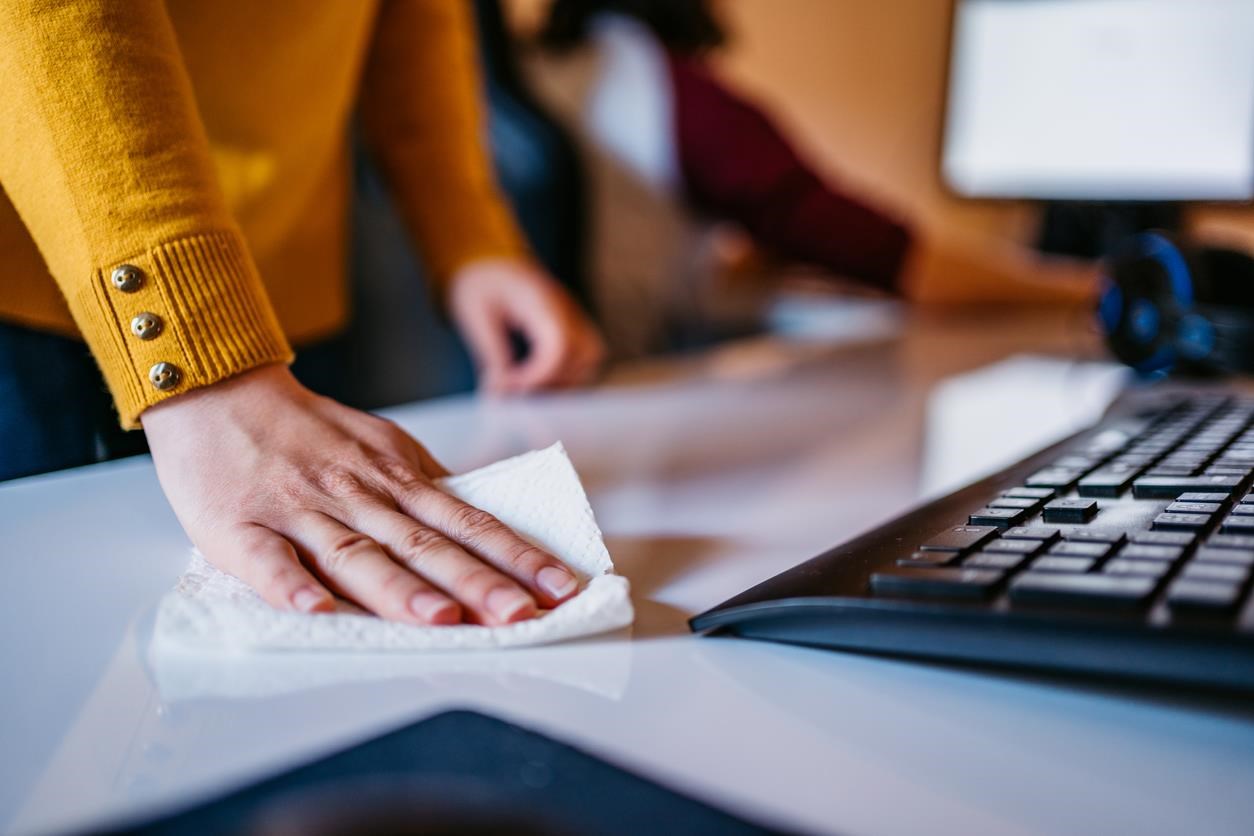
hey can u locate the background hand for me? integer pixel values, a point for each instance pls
(956, 269)
(490, 299)
(301, 497)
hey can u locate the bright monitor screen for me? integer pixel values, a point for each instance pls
(1101, 100)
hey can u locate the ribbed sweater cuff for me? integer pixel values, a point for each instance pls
(213, 320)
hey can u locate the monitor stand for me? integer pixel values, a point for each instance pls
(1093, 229)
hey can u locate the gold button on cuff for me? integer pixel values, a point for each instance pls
(127, 278)
(165, 376)
(146, 325)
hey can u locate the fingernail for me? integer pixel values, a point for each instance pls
(509, 604)
(557, 582)
(434, 608)
(308, 598)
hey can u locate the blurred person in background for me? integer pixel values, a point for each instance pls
(176, 177)
(674, 154)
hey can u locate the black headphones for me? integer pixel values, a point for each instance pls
(1169, 306)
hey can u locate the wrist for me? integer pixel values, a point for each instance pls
(249, 388)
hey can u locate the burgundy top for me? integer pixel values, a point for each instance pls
(737, 165)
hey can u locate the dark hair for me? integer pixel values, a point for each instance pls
(686, 26)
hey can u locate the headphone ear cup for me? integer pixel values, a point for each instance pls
(1148, 286)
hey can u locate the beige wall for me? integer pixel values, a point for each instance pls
(859, 84)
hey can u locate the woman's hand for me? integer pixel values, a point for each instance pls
(956, 269)
(301, 497)
(490, 299)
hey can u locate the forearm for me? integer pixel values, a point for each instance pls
(737, 164)
(964, 269)
(104, 157)
(421, 112)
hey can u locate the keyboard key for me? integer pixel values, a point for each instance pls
(1166, 471)
(1148, 568)
(1109, 482)
(1226, 572)
(1030, 532)
(1073, 549)
(1031, 493)
(998, 516)
(1015, 546)
(1134, 460)
(1206, 596)
(1163, 538)
(994, 560)
(1116, 591)
(1231, 541)
(1225, 470)
(1236, 557)
(1192, 496)
(1114, 438)
(1141, 551)
(1238, 524)
(1244, 510)
(1070, 510)
(923, 560)
(1247, 499)
(960, 538)
(1015, 502)
(1056, 563)
(1074, 462)
(1191, 522)
(973, 584)
(1170, 487)
(1053, 478)
(1193, 508)
(1092, 535)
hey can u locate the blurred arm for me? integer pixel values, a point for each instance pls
(963, 269)
(736, 164)
(420, 109)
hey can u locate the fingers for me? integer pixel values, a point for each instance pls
(542, 367)
(487, 335)
(564, 352)
(584, 361)
(542, 574)
(268, 563)
(359, 569)
(391, 435)
(431, 466)
(488, 596)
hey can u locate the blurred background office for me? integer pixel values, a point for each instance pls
(859, 90)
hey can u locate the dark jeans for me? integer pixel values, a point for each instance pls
(55, 411)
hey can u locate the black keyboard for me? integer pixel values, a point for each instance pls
(1125, 551)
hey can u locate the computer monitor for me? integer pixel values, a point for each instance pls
(1102, 100)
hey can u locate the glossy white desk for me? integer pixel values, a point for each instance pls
(707, 476)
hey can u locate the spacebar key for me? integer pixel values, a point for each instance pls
(937, 583)
(1086, 590)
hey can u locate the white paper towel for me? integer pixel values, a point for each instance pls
(538, 494)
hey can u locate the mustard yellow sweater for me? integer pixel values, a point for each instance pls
(204, 145)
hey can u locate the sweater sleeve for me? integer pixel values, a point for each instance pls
(104, 156)
(736, 164)
(420, 111)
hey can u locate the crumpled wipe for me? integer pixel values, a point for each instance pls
(538, 494)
